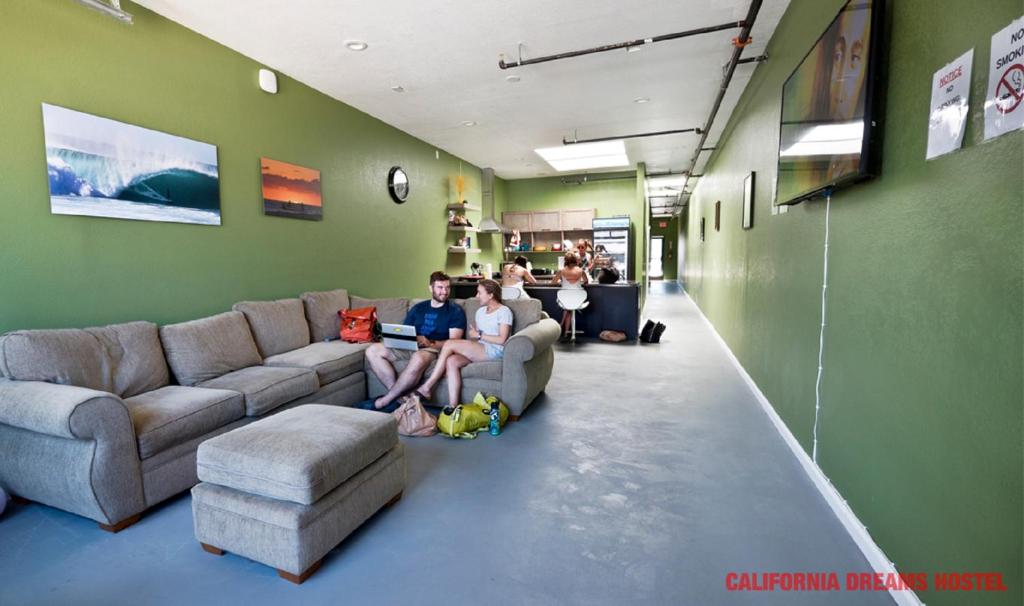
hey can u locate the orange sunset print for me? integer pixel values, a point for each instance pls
(290, 190)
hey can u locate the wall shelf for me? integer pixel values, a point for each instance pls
(462, 249)
(463, 228)
(457, 206)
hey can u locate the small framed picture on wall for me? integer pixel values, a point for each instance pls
(702, 229)
(748, 201)
(718, 216)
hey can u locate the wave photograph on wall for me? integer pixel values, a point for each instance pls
(100, 167)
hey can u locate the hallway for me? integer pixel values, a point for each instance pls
(644, 475)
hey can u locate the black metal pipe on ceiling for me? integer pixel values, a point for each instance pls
(633, 136)
(741, 41)
(630, 44)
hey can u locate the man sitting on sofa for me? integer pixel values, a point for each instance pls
(435, 320)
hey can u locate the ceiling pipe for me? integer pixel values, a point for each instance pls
(627, 45)
(738, 44)
(757, 59)
(588, 179)
(659, 133)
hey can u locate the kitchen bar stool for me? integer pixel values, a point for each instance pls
(573, 300)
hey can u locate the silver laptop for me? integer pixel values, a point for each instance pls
(399, 336)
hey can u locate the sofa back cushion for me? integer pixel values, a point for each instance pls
(207, 348)
(524, 312)
(322, 313)
(277, 326)
(391, 311)
(123, 359)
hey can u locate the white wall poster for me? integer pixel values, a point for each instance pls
(951, 91)
(1004, 111)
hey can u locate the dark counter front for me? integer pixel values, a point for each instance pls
(612, 306)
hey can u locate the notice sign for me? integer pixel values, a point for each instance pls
(1004, 111)
(951, 89)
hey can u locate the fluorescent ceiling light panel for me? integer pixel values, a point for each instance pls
(582, 156)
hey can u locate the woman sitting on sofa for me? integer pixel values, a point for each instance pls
(487, 336)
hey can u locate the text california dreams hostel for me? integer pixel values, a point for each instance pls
(864, 581)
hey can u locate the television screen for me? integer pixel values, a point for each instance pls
(827, 107)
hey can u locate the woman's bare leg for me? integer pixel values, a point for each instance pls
(453, 372)
(471, 350)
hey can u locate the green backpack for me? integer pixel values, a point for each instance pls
(467, 420)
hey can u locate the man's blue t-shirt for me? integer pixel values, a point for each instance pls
(434, 322)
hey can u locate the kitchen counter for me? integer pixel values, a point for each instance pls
(612, 306)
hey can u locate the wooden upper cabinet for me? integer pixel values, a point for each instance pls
(576, 220)
(546, 221)
(517, 220)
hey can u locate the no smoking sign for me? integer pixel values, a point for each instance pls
(1010, 89)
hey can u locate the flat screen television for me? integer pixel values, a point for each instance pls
(830, 123)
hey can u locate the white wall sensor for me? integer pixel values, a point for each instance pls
(268, 81)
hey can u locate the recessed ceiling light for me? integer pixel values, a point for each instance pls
(469, 123)
(513, 79)
(641, 100)
(607, 154)
(356, 45)
(398, 89)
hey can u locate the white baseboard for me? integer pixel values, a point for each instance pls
(857, 531)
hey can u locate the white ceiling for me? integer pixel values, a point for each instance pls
(445, 55)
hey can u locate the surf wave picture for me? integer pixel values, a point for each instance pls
(104, 168)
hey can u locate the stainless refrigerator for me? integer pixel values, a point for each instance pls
(613, 234)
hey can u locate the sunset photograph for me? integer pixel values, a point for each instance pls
(290, 190)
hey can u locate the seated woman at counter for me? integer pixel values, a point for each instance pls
(487, 336)
(570, 276)
(516, 275)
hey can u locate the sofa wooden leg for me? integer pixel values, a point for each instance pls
(394, 499)
(298, 579)
(513, 418)
(212, 549)
(125, 523)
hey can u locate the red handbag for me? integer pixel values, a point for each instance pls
(357, 324)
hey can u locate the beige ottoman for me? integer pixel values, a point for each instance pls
(287, 489)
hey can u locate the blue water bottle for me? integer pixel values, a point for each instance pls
(495, 428)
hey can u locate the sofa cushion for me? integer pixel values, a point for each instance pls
(277, 326)
(174, 414)
(124, 359)
(298, 455)
(524, 312)
(266, 387)
(391, 311)
(139, 364)
(322, 313)
(491, 370)
(331, 361)
(203, 349)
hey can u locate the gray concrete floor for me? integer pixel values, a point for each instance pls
(644, 475)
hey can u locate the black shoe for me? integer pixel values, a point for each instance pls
(645, 334)
(656, 336)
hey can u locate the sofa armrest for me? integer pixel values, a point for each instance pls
(64, 411)
(528, 342)
(71, 448)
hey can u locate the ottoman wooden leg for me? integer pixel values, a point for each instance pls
(394, 499)
(19, 500)
(212, 549)
(513, 418)
(125, 523)
(300, 578)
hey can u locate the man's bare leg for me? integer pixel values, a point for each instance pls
(407, 379)
(380, 360)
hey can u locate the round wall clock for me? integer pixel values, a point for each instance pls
(398, 184)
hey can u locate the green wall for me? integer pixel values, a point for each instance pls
(920, 425)
(78, 271)
(609, 197)
(669, 244)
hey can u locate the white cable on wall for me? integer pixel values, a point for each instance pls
(821, 335)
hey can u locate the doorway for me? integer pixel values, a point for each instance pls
(657, 272)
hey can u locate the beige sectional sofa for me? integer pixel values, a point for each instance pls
(105, 422)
